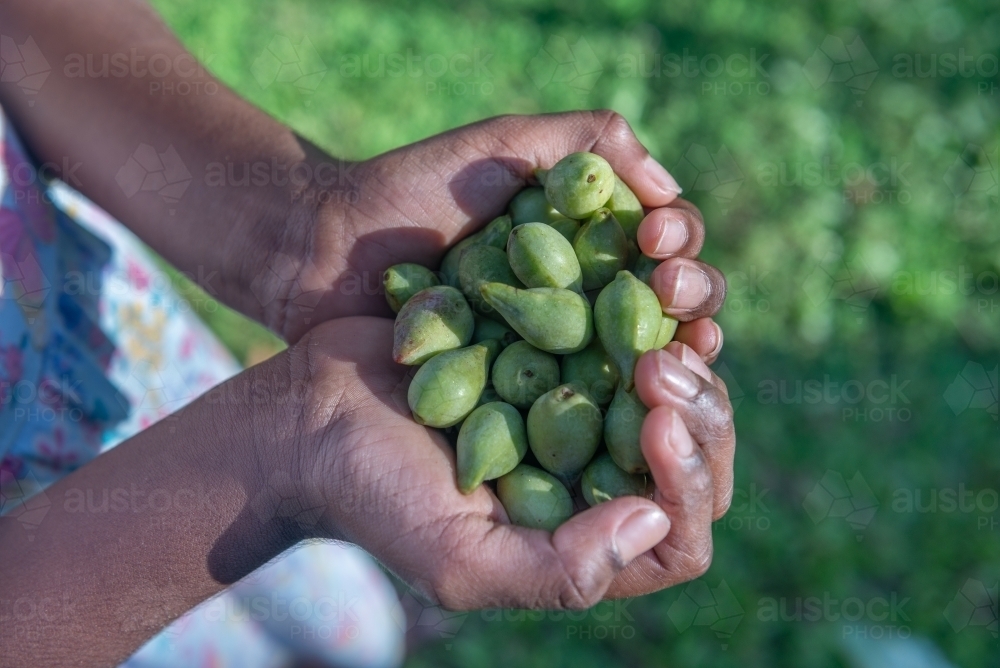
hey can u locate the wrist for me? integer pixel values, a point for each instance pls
(295, 243)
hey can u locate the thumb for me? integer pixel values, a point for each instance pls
(500, 565)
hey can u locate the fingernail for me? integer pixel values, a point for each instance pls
(691, 287)
(672, 374)
(679, 438)
(641, 531)
(718, 341)
(671, 236)
(661, 177)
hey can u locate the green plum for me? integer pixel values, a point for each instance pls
(522, 373)
(542, 258)
(402, 281)
(432, 321)
(553, 319)
(494, 234)
(564, 430)
(622, 427)
(601, 248)
(534, 499)
(448, 386)
(579, 184)
(593, 368)
(491, 442)
(628, 318)
(603, 480)
(530, 206)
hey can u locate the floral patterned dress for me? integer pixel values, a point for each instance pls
(95, 346)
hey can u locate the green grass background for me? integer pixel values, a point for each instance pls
(782, 237)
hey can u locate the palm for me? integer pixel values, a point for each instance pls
(389, 486)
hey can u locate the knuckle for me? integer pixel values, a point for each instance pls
(572, 594)
(698, 563)
(575, 587)
(611, 127)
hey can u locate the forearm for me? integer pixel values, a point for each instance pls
(151, 528)
(87, 120)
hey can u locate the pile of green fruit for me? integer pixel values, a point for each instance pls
(505, 338)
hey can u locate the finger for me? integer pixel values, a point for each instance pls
(545, 139)
(491, 564)
(684, 489)
(666, 378)
(677, 230)
(703, 335)
(688, 289)
(648, 179)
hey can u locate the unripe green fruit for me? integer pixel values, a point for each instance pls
(449, 385)
(432, 321)
(628, 318)
(622, 427)
(626, 207)
(564, 430)
(531, 206)
(479, 265)
(522, 373)
(402, 281)
(603, 480)
(579, 184)
(491, 442)
(592, 368)
(551, 319)
(494, 234)
(542, 258)
(601, 248)
(534, 499)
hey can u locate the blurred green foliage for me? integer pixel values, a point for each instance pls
(856, 219)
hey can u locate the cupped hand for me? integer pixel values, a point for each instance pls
(411, 204)
(388, 484)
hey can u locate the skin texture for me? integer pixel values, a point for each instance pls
(331, 412)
